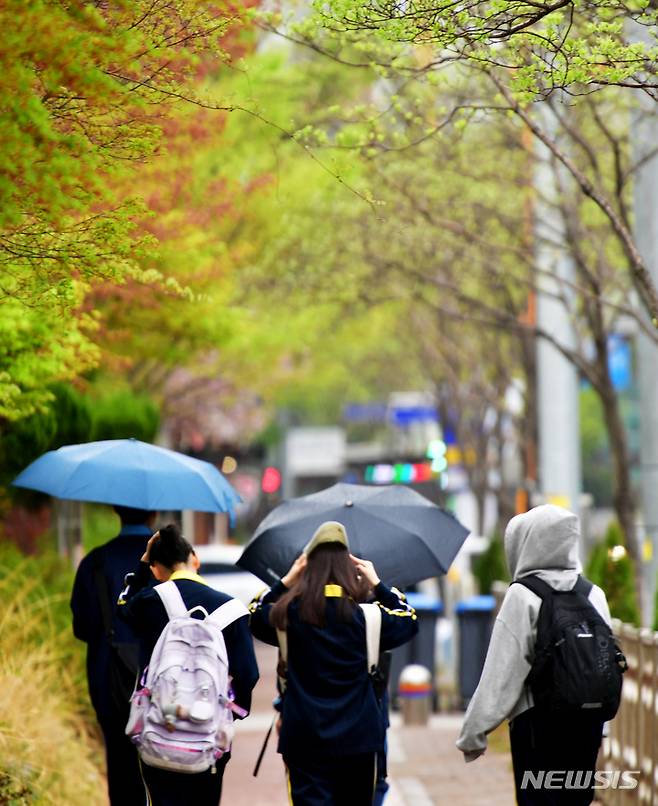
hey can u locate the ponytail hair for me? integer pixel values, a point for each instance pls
(170, 547)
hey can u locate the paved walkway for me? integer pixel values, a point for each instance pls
(425, 768)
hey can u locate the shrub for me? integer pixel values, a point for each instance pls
(613, 571)
(67, 420)
(491, 565)
(101, 524)
(124, 414)
(72, 418)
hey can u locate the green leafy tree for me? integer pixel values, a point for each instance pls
(449, 231)
(122, 414)
(67, 419)
(73, 417)
(547, 45)
(610, 568)
(521, 53)
(86, 89)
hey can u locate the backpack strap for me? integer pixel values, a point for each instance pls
(176, 608)
(171, 599)
(545, 615)
(282, 665)
(536, 585)
(227, 613)
(543, 589)
(583, 586)
(373, 617)
(282, 638)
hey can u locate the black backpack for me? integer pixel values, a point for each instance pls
(578, 665)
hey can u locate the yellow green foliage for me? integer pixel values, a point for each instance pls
(47, 752)
(85, 90)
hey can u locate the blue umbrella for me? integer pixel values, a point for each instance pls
(407, 537)
(132, 474)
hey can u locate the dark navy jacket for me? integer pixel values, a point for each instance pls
(113, 558)
(329, 708)
(141, 608)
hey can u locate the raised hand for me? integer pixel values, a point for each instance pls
(146, 556)
(366, 569)
(296, 570)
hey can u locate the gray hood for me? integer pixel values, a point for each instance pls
(544, 541)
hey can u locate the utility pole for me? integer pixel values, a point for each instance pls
(557, 395)
(644, 138)
(557, 377)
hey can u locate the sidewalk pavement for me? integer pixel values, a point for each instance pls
(425, 767)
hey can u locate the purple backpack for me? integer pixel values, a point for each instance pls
(181, 712)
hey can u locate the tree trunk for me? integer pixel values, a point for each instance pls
(624, 503)
(623, 491)
(505, 495)
(480, 494)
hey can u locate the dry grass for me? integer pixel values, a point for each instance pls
(47, 755)
(499, 739)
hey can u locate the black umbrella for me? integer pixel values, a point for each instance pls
(406, 536)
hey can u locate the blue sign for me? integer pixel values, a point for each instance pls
(396, 415)
(449, 436)
(620, 362)
(413, 414)
(365, 412)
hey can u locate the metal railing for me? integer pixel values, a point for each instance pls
(633, 741)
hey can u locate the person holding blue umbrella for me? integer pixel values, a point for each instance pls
(138, 479)
(112, 647)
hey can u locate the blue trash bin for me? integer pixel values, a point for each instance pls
(475, 617)
(422, 647)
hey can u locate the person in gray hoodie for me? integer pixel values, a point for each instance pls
(541, 542)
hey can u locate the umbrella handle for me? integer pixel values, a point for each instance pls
(264, 747)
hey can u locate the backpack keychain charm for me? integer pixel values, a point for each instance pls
(170, 712)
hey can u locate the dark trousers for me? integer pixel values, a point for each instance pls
(566, 746)
(124, 779)
(167, 788)
(381, 785)
(345, 781)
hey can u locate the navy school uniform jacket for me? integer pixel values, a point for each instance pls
(330, 708)
(110, 561)
(141, 607)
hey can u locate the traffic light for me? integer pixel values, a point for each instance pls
(271, 480)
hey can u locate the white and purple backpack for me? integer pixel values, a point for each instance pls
(181, 712)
